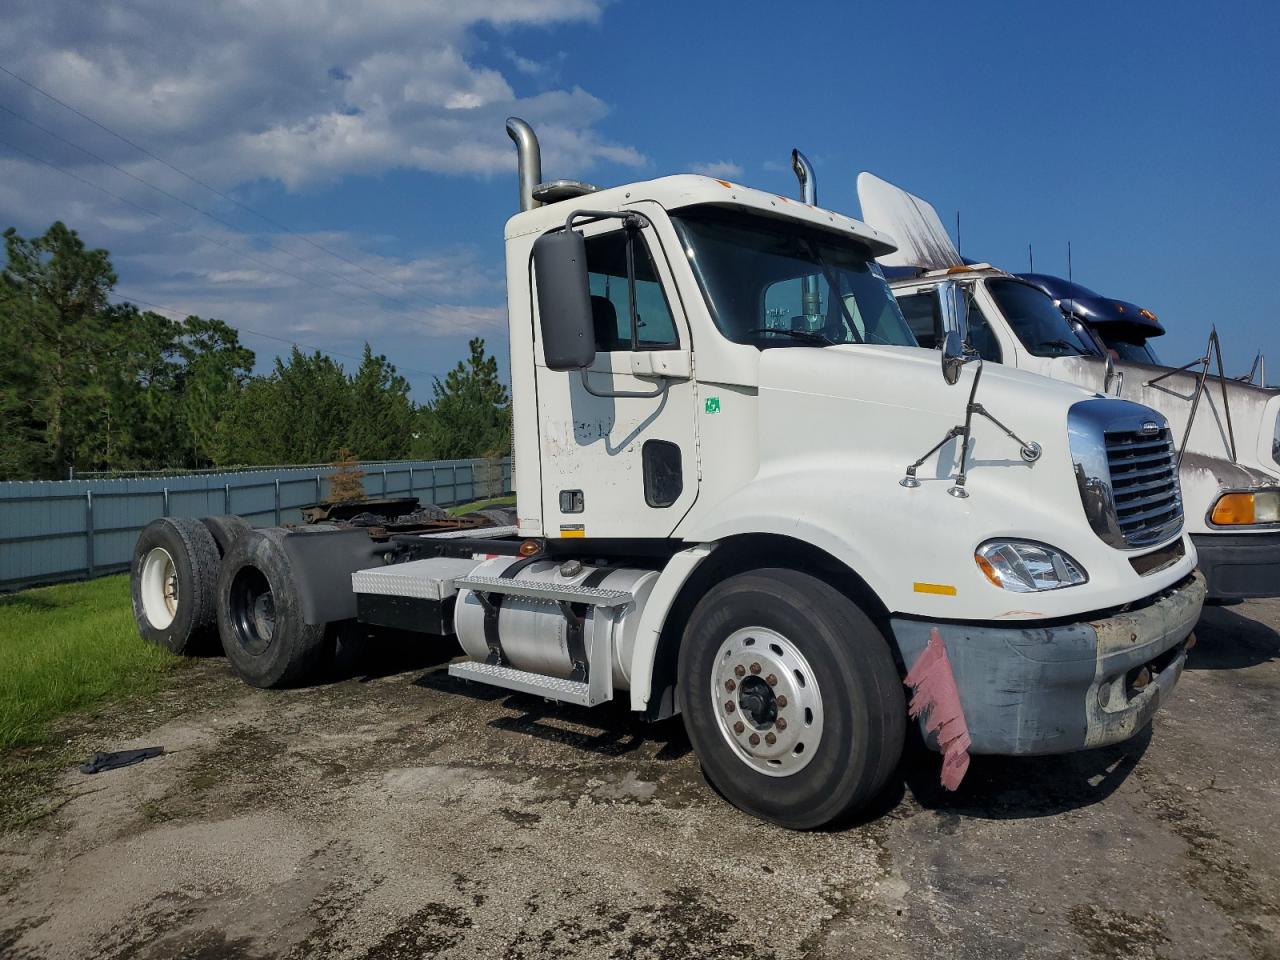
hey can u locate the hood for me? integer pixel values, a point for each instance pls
(911, 378)
(1253, 409)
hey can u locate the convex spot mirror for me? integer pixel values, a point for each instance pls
(953, 357)
(564, 300)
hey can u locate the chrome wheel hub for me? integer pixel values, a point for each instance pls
(766, 701)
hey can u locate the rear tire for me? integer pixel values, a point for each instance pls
(808, 668)
(260, 614)
(226, 530)
(173, 580)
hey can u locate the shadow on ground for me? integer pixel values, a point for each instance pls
(1020, 788)
(1226, 639)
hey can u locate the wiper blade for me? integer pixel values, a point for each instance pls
(809, 335)
(1061, 343)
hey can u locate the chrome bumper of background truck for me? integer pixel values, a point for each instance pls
(1035, 689)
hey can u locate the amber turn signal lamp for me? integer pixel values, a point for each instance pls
(1233, 509)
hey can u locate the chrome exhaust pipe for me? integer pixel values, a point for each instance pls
(530, 160)
(804, 173)
(809, 296)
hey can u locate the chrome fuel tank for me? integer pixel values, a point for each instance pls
(534, 633)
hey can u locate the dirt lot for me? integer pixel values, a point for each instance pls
(402, 815)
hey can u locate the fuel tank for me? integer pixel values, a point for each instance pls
(534, 634)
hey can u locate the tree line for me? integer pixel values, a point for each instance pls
(88, 384)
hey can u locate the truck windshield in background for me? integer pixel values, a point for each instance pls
(755, 273)
(1041, 327)
(1139, 352)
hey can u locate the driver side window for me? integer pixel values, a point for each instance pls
(611, 296)
(924, 317)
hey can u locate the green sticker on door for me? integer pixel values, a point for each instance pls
(713, 404)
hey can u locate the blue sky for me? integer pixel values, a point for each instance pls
(1147, 134)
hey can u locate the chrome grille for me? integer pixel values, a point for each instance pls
(1144, 484)
(1127, 472)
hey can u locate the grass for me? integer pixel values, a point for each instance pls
(64, 648)
(482, 504)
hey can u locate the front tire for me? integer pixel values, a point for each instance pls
(791, 698)
(173, 579)
(260, 614)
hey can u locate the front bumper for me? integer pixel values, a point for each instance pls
(1054, 689)
(1238, 566)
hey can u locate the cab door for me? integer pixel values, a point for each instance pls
(618, 441)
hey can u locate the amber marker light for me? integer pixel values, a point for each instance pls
(988, 570)
(1234, 509)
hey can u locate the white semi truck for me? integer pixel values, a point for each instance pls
(1227, 433)
(761, 527)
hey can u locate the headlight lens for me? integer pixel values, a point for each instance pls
(1025, 567)
(1246, 509)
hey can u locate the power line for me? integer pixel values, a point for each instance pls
(182, 315)
(206, 213)
(196, 180)
(151, 213)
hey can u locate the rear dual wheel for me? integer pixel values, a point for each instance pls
(791, 698)
(260, 615)
(174, 570)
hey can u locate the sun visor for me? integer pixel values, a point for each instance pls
(922, 239)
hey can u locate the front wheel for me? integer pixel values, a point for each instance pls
(790, 698)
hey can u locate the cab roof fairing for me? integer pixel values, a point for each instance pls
(1093, 309)
(687, 190)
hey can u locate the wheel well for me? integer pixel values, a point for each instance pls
(736, 555)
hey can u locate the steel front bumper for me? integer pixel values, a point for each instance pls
(1237, 566)
(1055, 689)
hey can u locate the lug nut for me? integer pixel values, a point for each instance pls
(729, 706)
(771, 680)
(782, 723)
(770, 739)
(754, 739)
(730, 686)
(738, 727)
(782, 700)
(738, 671)
(755, 668)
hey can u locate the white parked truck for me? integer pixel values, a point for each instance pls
(763, 528)
(1226, 433)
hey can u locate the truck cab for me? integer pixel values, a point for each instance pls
(1225, 431)
(746, 495)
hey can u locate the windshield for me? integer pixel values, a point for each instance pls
(1133, 352)
(1041, 327)
(774, 283)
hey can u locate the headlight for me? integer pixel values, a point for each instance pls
(1246, 509)
(1025, 567)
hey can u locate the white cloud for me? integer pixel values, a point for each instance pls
(724, 169)
(300, 90)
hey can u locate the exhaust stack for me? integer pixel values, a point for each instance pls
(809, 297)
(530, 160)
(804, 173)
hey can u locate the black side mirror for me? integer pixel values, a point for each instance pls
(564, 300)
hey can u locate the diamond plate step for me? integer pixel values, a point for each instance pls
(509, 678)
(472, 533)
(592, 596)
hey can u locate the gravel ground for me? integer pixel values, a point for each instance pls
(403, 815)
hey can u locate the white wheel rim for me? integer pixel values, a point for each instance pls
(158, 586)
(766, 701)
